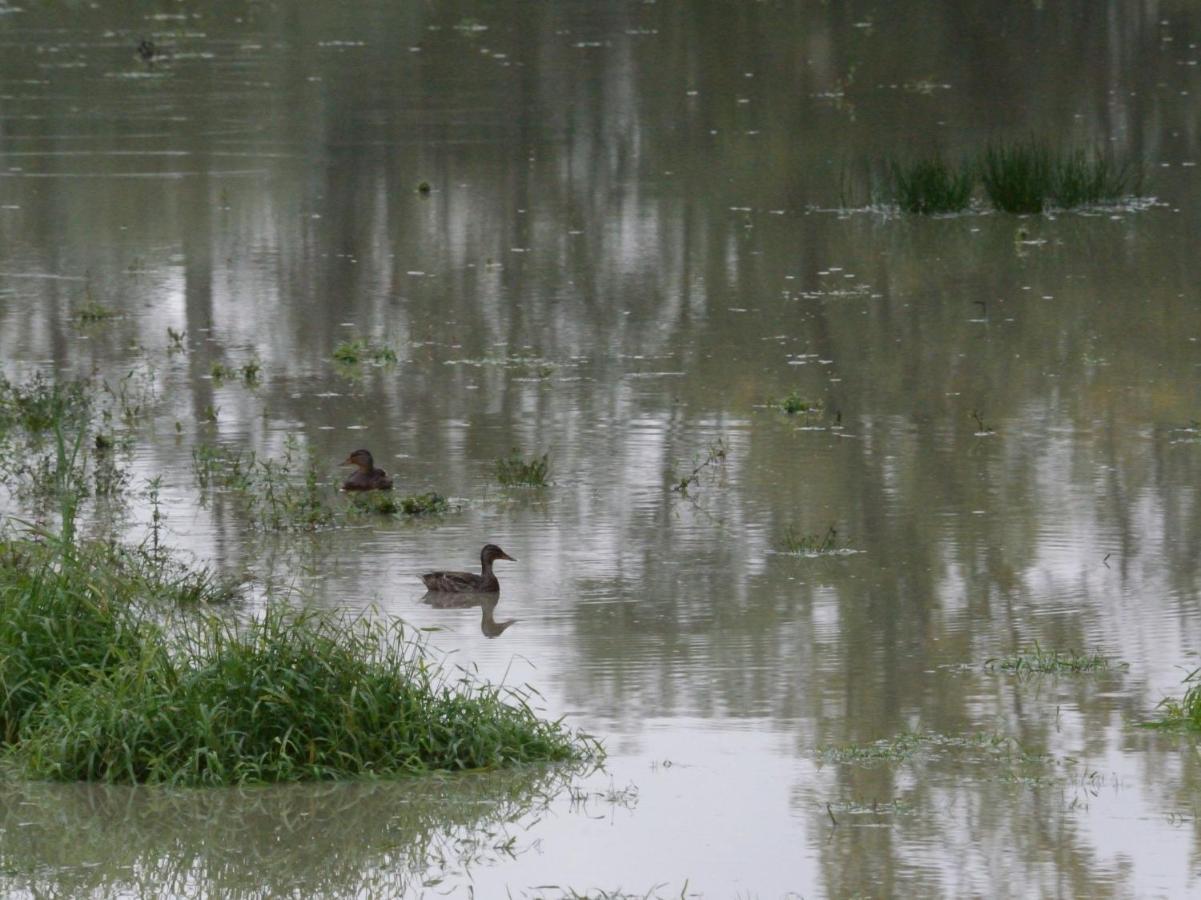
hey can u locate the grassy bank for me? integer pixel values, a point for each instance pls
(107, 678)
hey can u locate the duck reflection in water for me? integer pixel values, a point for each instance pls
(486, 602)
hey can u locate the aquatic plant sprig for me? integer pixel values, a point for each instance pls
(515, 470)
(357, 350)
(1184, 711)
(1039, 661)
(930, 186)
(715, 454)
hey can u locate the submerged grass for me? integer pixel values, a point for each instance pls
(280, 494)
(1042, 662)
(930, 186)
(101, 684)
(515, 470)
(1018, 177)
(794, 403)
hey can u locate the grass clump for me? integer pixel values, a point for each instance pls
(293, 696)
(386, 503)
(1182, 712)
(1083, 179)
(930, 186)
(516, 471)
(1043, 662)
(794, 403)
(808, 544)
(1019, 177)
(356, 351)
(98, 688)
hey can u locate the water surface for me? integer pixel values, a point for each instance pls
(646, 224)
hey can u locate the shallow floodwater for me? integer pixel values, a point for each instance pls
(646, 224)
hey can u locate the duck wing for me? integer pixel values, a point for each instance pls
(453, 582)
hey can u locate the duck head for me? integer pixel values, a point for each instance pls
(361, 459)
(491, 553)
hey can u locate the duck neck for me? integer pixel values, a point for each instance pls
(486, 568)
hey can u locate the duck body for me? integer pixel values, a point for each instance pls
(366, 477)
(469, 582)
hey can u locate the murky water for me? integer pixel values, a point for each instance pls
(631, 248)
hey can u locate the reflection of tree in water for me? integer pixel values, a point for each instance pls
(348, 839)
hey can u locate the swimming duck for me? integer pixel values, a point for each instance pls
(368, 477)
(467, 582)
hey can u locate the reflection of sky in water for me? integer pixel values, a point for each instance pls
(621, 263)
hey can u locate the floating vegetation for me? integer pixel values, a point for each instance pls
(520, 364)
(99, 689)
(907, 744)
(176, 338)
(387, 503)
(356, 351)
(812, 544)
(794, 404)
(714, 455)
(1182, 712)
(222, 372)
(92, 312)
(516, 471)
(423, 187)
(251, 371)
(930, 186)
(1040, 661)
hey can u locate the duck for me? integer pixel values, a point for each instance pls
(368, 477)
(468, 582)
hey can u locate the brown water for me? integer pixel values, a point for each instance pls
(631, 248)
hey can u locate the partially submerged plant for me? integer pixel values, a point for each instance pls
(516, 471)
(794, 403)
(930, 186)
(808, 544)
(1185, 711)
(357, 351)
(387, 503)
(1018, 177)
(1040, 661)
(714, 455)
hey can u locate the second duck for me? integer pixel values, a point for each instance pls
(469, 582)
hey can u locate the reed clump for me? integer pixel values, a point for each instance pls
(353, 352)
(930, 186)
(1024, 177)
(1040, 661)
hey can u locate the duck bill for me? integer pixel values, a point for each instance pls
(348, 462)
(504, 555)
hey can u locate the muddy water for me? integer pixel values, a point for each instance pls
(645, 225)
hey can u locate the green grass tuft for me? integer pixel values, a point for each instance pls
(1018, 177)
(515, 471)
(101, 686)
(1182, 712)
(794, 404)
(1042, 662)
(1082, 179)
(812, 544)
(387, 503)
(357, 351)
(930, 186)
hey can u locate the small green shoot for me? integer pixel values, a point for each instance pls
(715, 455)
(813, 544)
